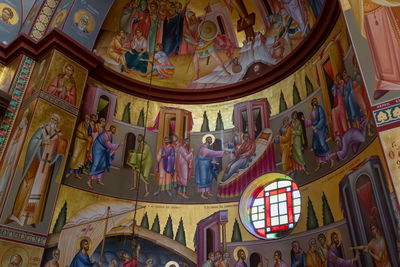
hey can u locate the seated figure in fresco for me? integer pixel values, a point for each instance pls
(141, 161)
(244, 153)
(136, 58)
(116, 50)
(63, 85)
(376, 247)
(162, 66)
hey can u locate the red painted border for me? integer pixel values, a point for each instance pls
(58, 40)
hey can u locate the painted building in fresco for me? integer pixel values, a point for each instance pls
(216, 133)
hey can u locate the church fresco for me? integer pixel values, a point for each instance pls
(12, 254)
(37, 174)
(173, 149)
(197, 44)
(65, 80)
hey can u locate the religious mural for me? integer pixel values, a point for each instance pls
(378, 20)
(145, 183)
(14, 149)
(64, 81)
(197, 44)
(40, 163)
(12, 254)
(178, 153)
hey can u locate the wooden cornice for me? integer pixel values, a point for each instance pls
(66, 45)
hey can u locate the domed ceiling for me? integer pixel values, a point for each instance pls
(210, 45)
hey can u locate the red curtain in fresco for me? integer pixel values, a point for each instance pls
(329, 70)
(364, 194)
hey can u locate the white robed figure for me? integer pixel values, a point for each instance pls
(42, 163)
(13, 151)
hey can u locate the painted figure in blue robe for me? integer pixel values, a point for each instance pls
(316, 6)
(297, 255)
(320, 132)
(81, 258)
(352, 108)
(102, 154)
(137, 58)
(173, 28)
(206, 168)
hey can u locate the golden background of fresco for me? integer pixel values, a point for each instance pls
(56, 67)
(42, 115)
(272, 93)
(391, 142)
(31, 255)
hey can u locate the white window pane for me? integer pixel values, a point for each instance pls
(288, 189)
(296, 193)
(254, 210)
(273, 199)
(274, 221)
(296, 209)
(258, 202)
(296, 202)
(274, 209)
(290, 225)
(268, 229)
(282, 208)
(261, 216)
(284, 183)
(266, 194)
(261, 208)
(283, 219)
(282, 197)
(254, 217)
(259, 224)
(296, 217)
(271, 186)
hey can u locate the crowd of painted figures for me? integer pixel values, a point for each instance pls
(153, 31)
(94, 151)
(351, 121)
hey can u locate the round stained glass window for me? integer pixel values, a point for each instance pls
(270, 206)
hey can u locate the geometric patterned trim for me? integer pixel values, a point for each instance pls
(59, 102)
(17, 93)
(387, 115)
(43, 20)
(20, 236)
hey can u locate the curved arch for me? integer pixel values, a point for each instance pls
(158, 239)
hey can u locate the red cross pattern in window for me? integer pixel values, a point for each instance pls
(276, 208)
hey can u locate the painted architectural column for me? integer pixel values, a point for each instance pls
(39, 126)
